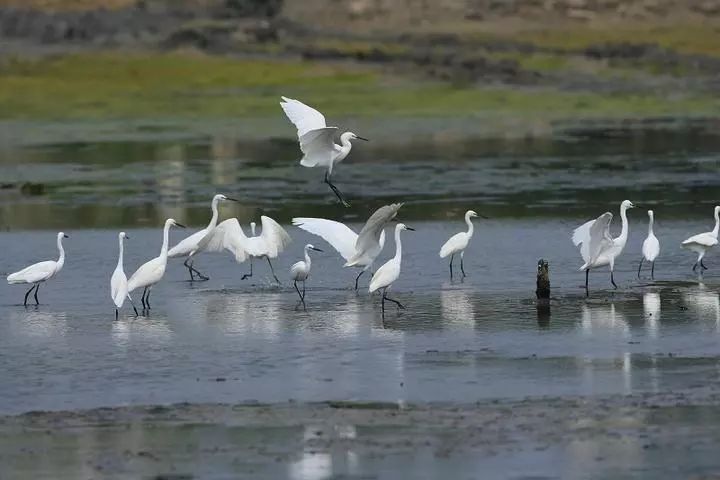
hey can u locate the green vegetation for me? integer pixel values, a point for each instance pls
(192, 85)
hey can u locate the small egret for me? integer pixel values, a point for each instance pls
(152, 271)
(390, 270)
(300, 271)
(119, 282)
(229, 235)
(189, 246)
(359, 251)
(317, 140)
(650, 247)
(598, 247)
(701, 242)
(39, 272)
(458, 243)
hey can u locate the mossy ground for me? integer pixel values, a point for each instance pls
(190, 84)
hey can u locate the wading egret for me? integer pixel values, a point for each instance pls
(359, 251)
(119, 282)
(39, 272)
(189, 246)
(152, 271)
(317, 140)
(389, 271)
(701, 242)
(229, 235)
(458, 243)
(650, 247)
(598, 248)
(300, 271)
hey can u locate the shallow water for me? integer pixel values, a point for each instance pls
(482, 339)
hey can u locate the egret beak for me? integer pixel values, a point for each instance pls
(127, 237)
(231, 199)
(409, 228)
(483, 216)
(316, 249)
(66, 236)
(362, 138)
(179, 225)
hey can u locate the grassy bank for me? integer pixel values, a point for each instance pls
(188, 84)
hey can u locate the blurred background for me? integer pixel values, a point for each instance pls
(119, 112)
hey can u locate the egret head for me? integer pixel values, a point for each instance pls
(311, 247)
(717, 210)
(123, 235)
(357, 137)
(472, 213)
(402, 226)
(651, 214)
(626, 204)
(220, 197)
(62, 235)
(173, 222)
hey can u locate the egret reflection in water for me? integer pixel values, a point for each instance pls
(651, 309)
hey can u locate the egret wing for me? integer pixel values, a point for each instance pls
(706, 239)
(337, 234)
(318, 147)
(369, 236)
(304, 117)
(187, 245)
(581, 237)
(600, 238)
(274, 236)
(34, 273)
(228, 235)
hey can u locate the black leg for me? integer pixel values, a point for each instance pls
(335, 190)
(197, 272)
(37, 287)
(142, 299)
(612, 280)
(451, 260)
(147, 298)
(297, 290)
(303, 290)
(587, 278)
(382, 303)
(26, 295)
(703, 265)
(640, 266)
(652, 270)
(116, 314)
(358, 278)
(695, 266)
(462, 268)
(400, 305)
(272, 270)
(135, 309)
(248, 275)
(192, 279)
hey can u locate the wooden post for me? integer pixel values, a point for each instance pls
(543, 279)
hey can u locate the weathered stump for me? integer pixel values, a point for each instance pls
(543, 293)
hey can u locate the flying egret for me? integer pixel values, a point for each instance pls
(650, 247)
(189, 246)
(152, 271)
(390, 270)
(317, 140)
(701, 242)
(119, 282)
(359, 251)
(39, 272)
(458, 243)
(598, 247)
(300, 271)
(229, 235)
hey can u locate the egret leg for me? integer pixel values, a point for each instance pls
(358, 278)
(142, 299)
(652, 270)
(133, 304)
(587, 278)
(27, 294)
(335, 190)
(37, 302)
(462, 268)
(385, 297)
(451, 260)
(248, 275)
(695, 266)
(116, 314)
(272, 270)
(640, 266)
(147, 297)
(303, 291)
(298, 290)
(382, 302)
(192, 278)
(612, 280)
(702, 265)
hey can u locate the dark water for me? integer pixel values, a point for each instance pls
(229, 340)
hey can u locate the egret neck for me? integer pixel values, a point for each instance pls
(471, 228)
(61, 259)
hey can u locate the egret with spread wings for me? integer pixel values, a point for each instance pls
(317, 140)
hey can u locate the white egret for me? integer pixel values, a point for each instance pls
(300, 271)
(458, 243)
(598, 248)
(229, 235)
(317, 140)
(650, 247)
(39, 272)
(359, 251)
(189, 246)
(152, 271)
(119, 282)
(701, 242)
(390, 270)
